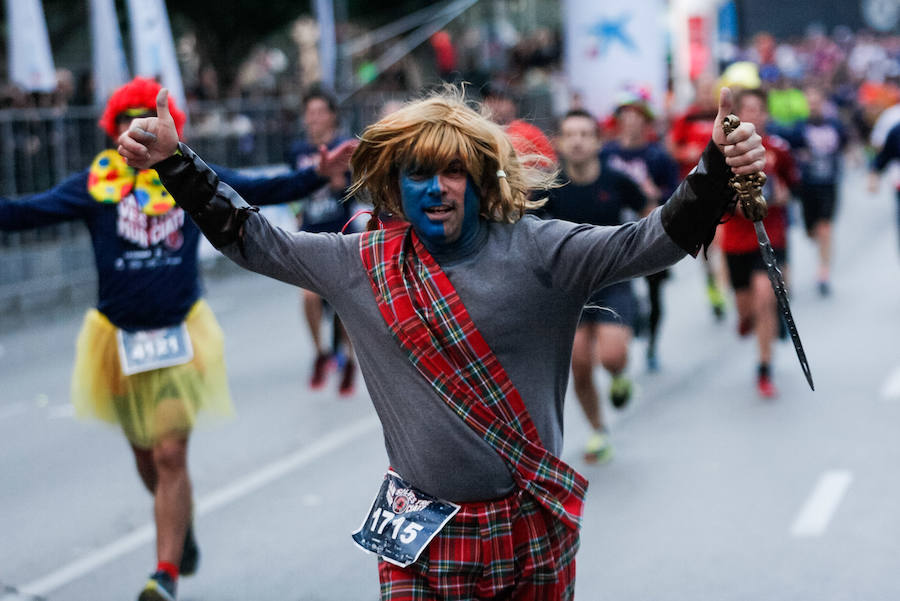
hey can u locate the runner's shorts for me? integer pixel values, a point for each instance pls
(155, 404)
(742, 265)
(614, 304)
(507, 549)
(819, 203)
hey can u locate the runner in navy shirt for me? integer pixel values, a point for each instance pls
(145, 249)
(323, 211)
(656, 172)
(598, 196)
(818, 143)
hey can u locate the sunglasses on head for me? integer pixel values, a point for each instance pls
(128, 115)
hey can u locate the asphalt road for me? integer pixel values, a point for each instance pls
(712, 494)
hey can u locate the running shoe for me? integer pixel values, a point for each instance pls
(598, 448)
(716, 299)
(190, 553)
(620, 391)
(320, 371)
(160, 587)
(824, 288)
(765, 387)
(348, 378)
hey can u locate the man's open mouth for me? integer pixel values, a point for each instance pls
(439, 210)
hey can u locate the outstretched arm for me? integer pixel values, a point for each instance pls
(153, 139)
(230, 224)
(66, 202)
(889, 152)
(288, 187)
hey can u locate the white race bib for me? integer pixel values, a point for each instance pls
(402, 521)
(145, 350)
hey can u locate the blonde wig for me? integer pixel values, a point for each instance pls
(429, 134)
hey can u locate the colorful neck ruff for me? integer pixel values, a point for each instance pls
(111, 179)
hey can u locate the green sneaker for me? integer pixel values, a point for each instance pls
(716, 299)
(620, 391)
(598, 448)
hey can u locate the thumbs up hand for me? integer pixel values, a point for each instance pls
(149, 140)
(742, 148)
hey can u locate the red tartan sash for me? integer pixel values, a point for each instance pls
(428, 320)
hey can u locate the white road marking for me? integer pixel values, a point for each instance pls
(12, 410)
(816, 514)
(219, 498)
(891, 389)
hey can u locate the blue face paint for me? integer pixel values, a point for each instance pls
(417, 195)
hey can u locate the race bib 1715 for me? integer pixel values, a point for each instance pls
(402, 521)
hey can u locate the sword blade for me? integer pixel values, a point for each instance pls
(768, 254)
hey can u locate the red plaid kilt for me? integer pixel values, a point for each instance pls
(508, 549)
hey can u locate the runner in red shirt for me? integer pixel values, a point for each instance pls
(755, 300)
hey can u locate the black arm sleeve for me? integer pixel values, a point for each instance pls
(691, 215)
(217, 210)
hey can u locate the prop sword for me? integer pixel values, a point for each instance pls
(748, 189)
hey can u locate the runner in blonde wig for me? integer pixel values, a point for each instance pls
(463, 319)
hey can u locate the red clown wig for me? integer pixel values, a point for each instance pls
(139, 93)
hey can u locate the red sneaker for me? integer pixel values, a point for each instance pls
(766, 388)
(348, 378)
(320, 371)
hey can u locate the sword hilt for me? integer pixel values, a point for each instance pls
(747, 188)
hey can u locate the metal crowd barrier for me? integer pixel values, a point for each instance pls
(41, 147)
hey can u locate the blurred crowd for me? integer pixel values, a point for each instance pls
(860, 73)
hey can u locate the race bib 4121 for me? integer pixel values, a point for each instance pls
(144, 350)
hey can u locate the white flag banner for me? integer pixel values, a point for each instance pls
(153, 48)
(612, 45)
(327, 41)
(110, 68)
(30, 59)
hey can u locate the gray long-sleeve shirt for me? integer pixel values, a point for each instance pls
(524, 285)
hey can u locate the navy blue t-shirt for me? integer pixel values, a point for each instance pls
(146, 265)
(323, 211)
(818, 144)
(650, 161)
(601, 202)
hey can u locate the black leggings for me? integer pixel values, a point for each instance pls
(654, 294)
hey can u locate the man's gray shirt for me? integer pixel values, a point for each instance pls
(524, 286)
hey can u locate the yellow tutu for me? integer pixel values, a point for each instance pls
(154, 404)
